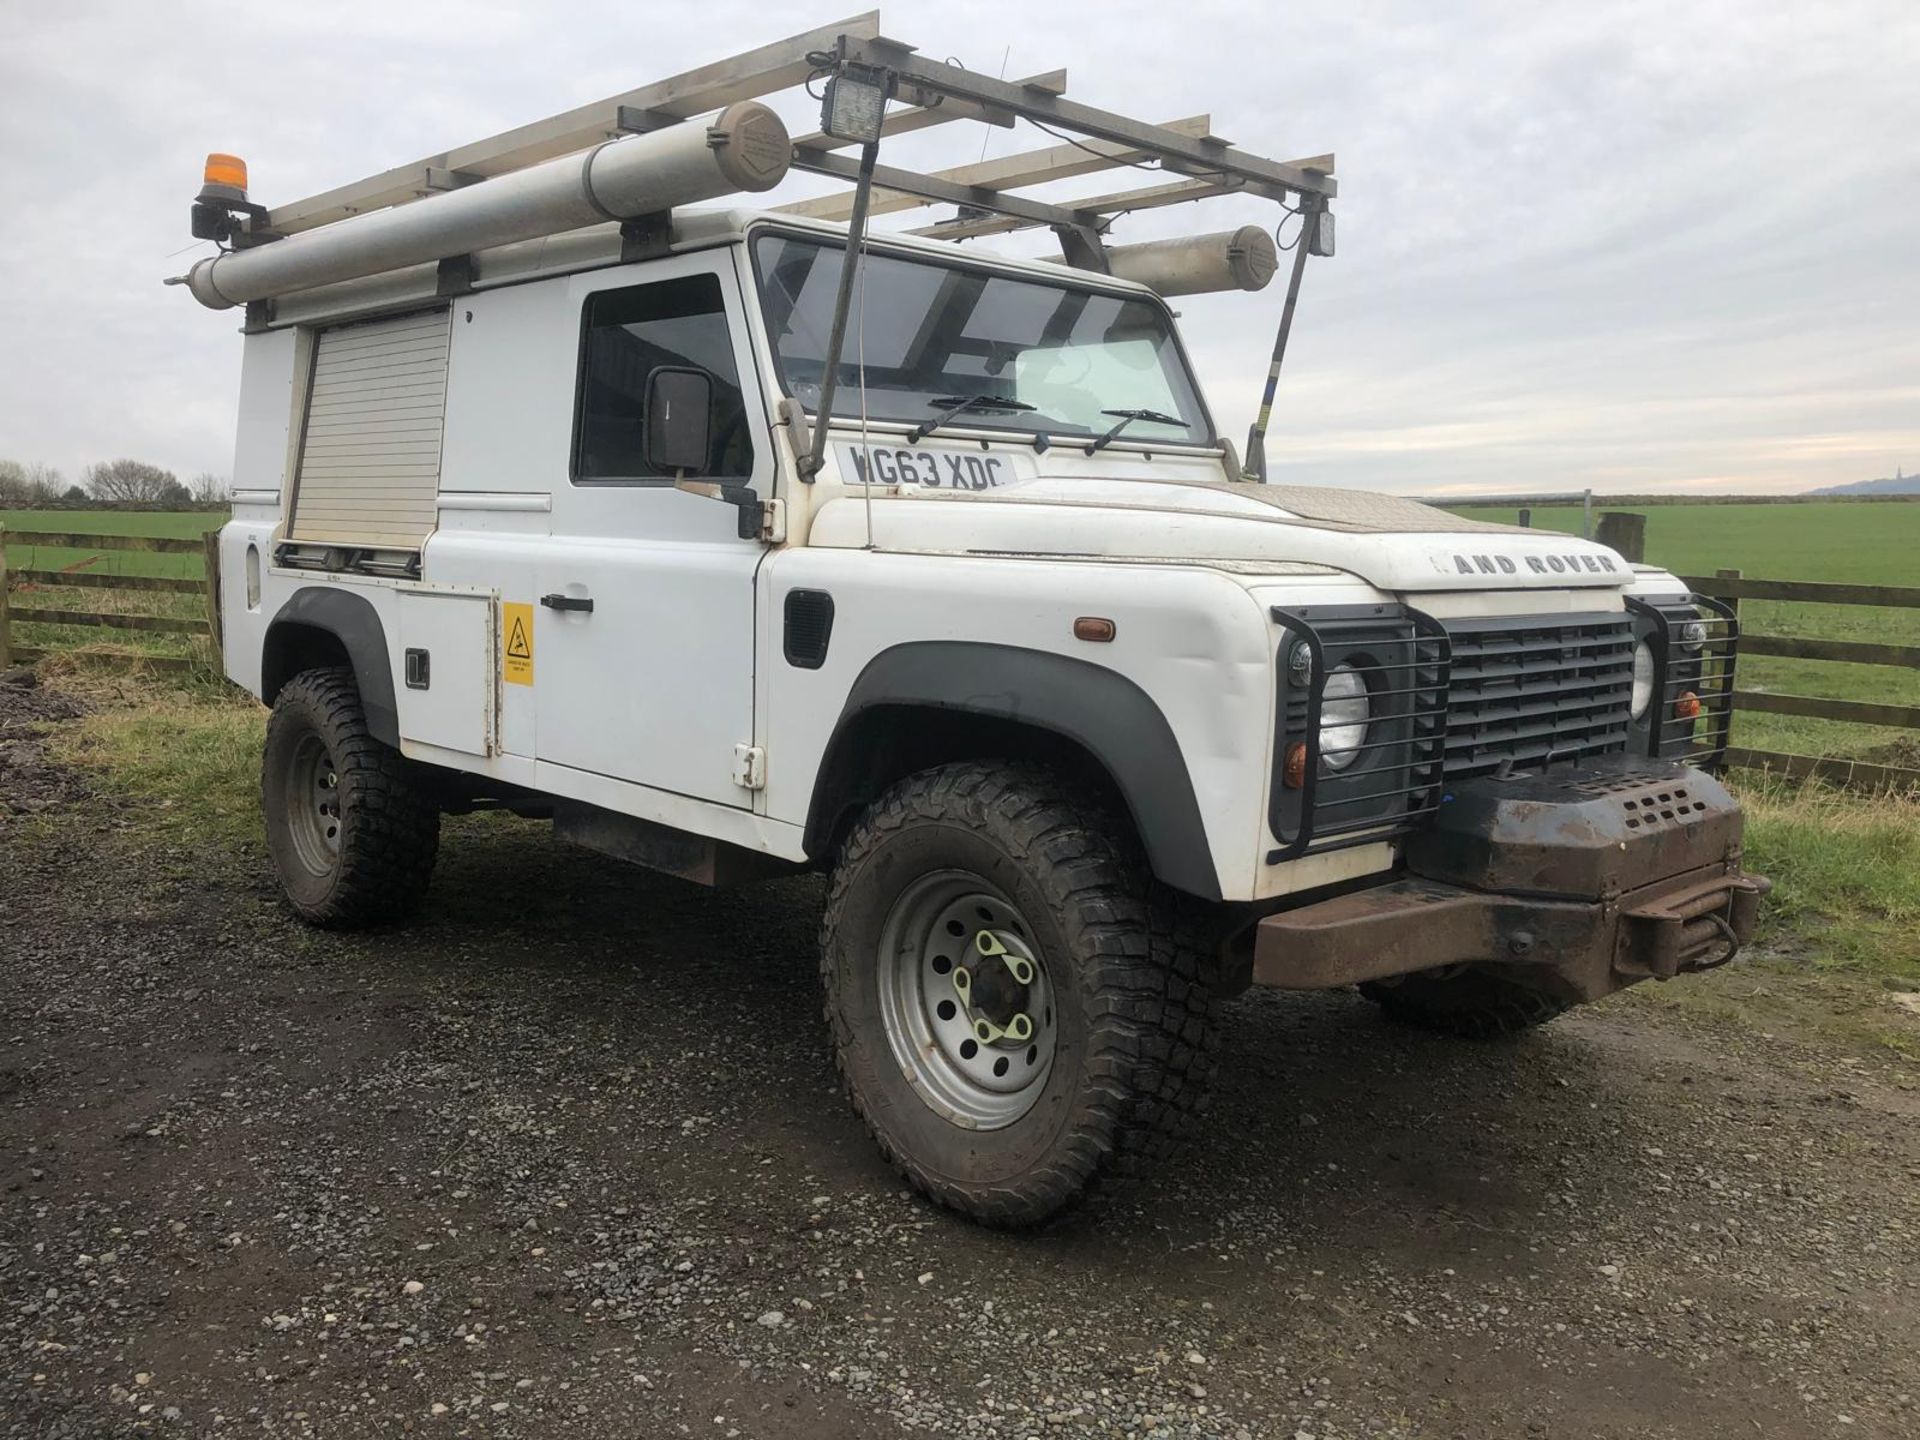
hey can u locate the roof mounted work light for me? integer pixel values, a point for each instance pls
(855, 104)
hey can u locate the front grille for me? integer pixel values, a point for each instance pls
(1536, 691)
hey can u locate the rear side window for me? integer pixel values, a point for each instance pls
(629, 332)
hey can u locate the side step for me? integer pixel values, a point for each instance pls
(698, 858)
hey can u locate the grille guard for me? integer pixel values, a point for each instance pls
(1709, 675)
(1412, 706)
(1414, 695)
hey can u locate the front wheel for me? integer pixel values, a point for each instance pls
(352, 833)
(1014, 1012)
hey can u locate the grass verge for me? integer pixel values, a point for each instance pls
(1846, 873)
(184, 759)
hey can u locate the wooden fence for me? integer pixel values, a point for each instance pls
(1728, 585)
(1733, 587)
(208, 585)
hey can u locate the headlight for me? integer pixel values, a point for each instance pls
(1344, 712)
(1642, 680)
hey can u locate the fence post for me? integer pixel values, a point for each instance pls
(1526, 518)
(1625, 531)
(1732, 602)
(6, 622)
(210, 544)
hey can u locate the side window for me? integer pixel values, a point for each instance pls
(627, 333)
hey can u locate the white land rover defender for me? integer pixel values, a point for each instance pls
(934, 573)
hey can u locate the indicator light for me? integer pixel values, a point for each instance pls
(1294, 771)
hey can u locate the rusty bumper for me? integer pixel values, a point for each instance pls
(1692, 923)
(1588, 879)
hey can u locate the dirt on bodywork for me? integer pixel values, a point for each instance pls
(566, 1157)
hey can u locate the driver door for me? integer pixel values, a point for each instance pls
(644, 635)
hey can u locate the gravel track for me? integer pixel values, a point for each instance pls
(566, 1157)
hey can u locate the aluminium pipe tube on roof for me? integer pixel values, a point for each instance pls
(1243, 259)
(745, 148)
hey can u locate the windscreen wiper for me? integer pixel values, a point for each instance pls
(1127, 417)
(955, 404)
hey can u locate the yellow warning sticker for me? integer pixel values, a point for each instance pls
(516, 644)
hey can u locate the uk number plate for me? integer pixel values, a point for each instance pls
(929, 468)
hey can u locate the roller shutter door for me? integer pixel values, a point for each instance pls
(369, 472)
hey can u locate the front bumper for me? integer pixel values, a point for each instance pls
(1588, 878)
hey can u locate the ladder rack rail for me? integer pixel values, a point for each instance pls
(770, 68)
(928, 94)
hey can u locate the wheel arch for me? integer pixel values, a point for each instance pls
(323, 626)
(927, 703)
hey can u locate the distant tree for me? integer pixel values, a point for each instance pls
(120, 482)
(43, 484)
(209, 488)
(75, 493)
(24, 486)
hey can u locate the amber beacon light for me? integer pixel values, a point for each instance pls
(228, 173)
(221, 211)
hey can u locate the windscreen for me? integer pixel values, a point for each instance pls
(932, 334)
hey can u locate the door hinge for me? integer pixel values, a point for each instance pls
(773, 521)
(750, 767)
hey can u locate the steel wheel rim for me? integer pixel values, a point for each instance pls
(959, 978)
(313, 806)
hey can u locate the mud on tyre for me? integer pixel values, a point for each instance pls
(352, 832)
(1015, 1009)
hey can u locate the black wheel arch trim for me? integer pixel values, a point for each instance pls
(1103, 712)
(352, 620)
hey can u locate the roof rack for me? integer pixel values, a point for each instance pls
(986, 195)
(874, 87)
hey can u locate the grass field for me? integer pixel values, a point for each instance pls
(178, 525)
(173, 525)
(1861, 544)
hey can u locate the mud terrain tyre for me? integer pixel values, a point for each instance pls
(987, 895)
(1470, 1006)
(352, 833)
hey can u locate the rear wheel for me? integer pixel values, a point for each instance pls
(1013, 1010)
(352, 833)
(1470, 1005)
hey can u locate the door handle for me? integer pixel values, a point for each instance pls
(567, 602)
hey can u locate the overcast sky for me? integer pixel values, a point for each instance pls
(1625, 245)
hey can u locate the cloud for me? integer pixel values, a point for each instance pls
(1629, 245)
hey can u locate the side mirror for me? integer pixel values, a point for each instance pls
(679, 419)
